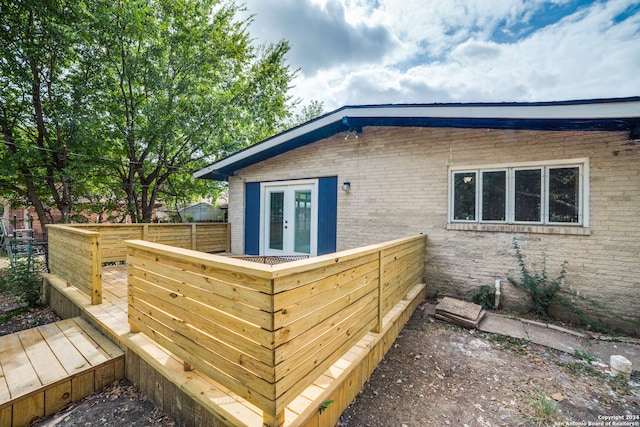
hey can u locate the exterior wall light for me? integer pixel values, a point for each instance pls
(346, 186)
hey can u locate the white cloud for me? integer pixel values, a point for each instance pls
(421, 51)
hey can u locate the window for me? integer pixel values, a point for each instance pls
(526, 194)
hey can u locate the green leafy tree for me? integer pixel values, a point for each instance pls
(38, 105)
(181, 85)
(103, 101)
(308, 112)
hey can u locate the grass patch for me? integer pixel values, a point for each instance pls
(545, 410)
(518, 345)
(584, 367)
(587, 357)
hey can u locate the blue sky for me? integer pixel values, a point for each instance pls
(352, 52)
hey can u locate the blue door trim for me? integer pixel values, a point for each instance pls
(327, 216)
(252, 218)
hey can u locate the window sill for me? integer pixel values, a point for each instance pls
(520, 228)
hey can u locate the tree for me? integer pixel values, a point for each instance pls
(38, 104)
(102, 100)
(181, 84)
(308, 112)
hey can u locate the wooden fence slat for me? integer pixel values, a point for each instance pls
(208, 369)
(332, 307)
(267, 332)
(246, 338)
(295, 344)
(197, 282)
(200, 300)
(239, 365)
(340, 285)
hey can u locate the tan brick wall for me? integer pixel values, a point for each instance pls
(399, 187)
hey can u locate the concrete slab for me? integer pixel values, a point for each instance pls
(554, 339)
(496, 324)
(549, 336)
(605, 349)
(458, 308)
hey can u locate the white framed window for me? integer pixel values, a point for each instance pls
(551, 193)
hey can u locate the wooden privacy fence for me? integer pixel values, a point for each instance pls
(77, 251)
(267, 332)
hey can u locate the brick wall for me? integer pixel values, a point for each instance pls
(399, 187)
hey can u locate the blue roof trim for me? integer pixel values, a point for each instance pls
(356, 122)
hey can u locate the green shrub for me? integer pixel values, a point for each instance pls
(23, 280)
(484, 296)
(538, 285)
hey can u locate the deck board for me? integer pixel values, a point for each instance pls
(72, 360)
(4, 388)
(20, 375)
(86, 346)
(43, 369)
(42, 358)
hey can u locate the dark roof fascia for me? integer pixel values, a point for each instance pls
(619, 114)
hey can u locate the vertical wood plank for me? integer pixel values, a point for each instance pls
(132, 367)
(184, 405)
(6, 414)
(378, 327)
(273, 420)
(82, 385)
(119, 368)
(194, 237)
(28, 409)
(158, 388)
(104, 376)
(56, 397)
(96, 270)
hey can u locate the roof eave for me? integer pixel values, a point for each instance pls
(611, 114)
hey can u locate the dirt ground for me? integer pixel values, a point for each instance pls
(435, 374)
(441, 374)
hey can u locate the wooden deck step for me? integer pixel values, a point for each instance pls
(45, 368)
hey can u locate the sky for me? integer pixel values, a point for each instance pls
(357, 52)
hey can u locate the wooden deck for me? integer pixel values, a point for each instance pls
(45, 368)
(194, 399)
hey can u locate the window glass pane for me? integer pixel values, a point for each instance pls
(564, 196)
(494, 195)
(464, 196)
(528, 195)
(276, 219)
(302, 237)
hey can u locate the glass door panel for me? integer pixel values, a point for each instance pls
(276, 220)
(302, 229)
(289, 219)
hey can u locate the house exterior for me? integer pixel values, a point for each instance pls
(563, 178)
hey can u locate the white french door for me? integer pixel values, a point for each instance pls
(290, 218)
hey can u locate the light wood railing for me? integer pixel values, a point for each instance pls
(74, 255)
(267, 332)
(77, 251)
